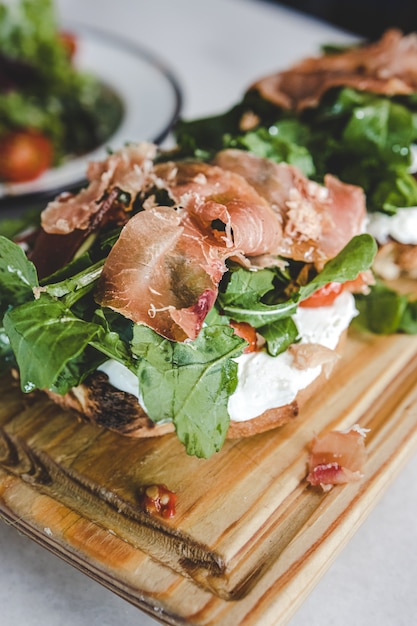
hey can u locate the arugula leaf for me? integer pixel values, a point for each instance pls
(409, 318)
(357, 256)
(279, 335)
(244, 284)
(258, 314)
(283, 141)
(379, 127)
(384, 311)
(74, 287)
(17, 275)
(45, 336)
(189, 383)
(365, 139)
(76, 369)
(107, 344)
(7, 360)
(203, 137)
(114, 337)
(397, 189)
(243, 298)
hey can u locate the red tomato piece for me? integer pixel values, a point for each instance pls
(24, 155)
(246, 332)
(325, 296)
(69, 41)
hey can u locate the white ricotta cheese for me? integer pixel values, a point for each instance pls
(402, 226)
(120, 377)
(267, 382)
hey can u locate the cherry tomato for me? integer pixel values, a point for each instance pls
(69, 41)
(24, 155)
(325, 296)
(247, 332)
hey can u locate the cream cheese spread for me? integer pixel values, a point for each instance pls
(267, 382)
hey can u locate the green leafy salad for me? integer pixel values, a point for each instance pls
(43, 92)
(364, 139)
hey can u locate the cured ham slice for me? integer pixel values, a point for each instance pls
(165, 268)
(388, 66)
(213, 194)
(311, 355)
(52, 251)
(126, 169)
(68, 220)
(162, 272)
(337, 458)
(317, 221)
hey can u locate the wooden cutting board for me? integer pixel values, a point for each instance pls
(250, 538)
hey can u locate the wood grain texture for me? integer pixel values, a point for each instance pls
(250, 537)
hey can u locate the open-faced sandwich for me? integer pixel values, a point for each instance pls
(210, 297)
(351, 112)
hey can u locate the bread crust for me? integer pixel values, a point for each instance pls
(98, 402)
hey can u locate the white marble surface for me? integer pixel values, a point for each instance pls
(216, 48)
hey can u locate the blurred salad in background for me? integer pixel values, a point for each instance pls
(49, 110)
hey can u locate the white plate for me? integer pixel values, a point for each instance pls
(150, 94)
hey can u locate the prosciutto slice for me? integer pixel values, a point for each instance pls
(126, 169)
(317, 221)
(388, 66)
(165, 268)
(68, 220)
(162, 272)
(337, 457)
(214, 194)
